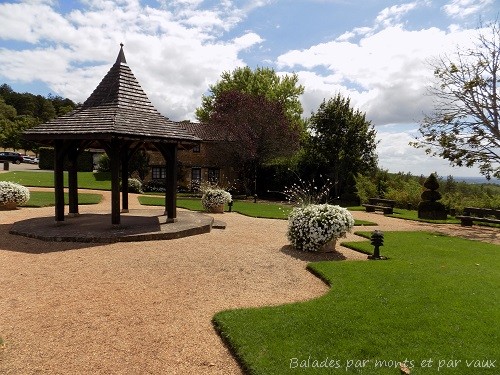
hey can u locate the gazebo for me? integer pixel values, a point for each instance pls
(119, 118)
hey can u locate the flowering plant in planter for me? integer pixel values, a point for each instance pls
(314, 225)
(13, 193)
(213, 197)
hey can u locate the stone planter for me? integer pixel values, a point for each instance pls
(217, 209)
(328, 247)
(8, 206)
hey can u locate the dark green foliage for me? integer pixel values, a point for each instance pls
(155, 186)
(29, 110)
(430, 208)
(431, 183)
(103, 163)
(430, 195)
(341, 142)
(46, 158)
(85, 160)
(259, 82)
(350, 197)
(139, 163)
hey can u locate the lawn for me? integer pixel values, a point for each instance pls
(86, 180)
(435, 299)
(44, 199)
(413, 215)
(266, 210)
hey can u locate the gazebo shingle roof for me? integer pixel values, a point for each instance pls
(117, 107)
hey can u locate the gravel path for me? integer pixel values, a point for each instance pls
(146, 307)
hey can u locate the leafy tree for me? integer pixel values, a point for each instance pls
(341, 141)
(464, 125)
(139, 162)
(263, 82)
(255, 130)
(21, 111)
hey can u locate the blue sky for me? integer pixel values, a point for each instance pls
(373, 51)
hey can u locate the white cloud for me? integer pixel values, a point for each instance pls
(387, 72)
(396, 155)
(465, 8)
(175, 53)
(392, 15)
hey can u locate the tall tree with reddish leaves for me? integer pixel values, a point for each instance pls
(255, 130)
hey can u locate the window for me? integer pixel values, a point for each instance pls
(213, 175)
(196, 148)
(158, 173)
(195, 178)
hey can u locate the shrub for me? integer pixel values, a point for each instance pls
(215, 197)
(85, 160)
(154, 186)
(11, 192)
(103, 163)
(134, 186)
(312, 226)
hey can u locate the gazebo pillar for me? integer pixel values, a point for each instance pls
(73, 181)
(125, 159)
(169, 152)
(114, 160)
(59, 179)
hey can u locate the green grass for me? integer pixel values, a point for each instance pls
(45, 199)
(86, 180)
(413, 215)
(264, 210)
(435, 298)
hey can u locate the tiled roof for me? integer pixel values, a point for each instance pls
(117, 107)
(206, 132)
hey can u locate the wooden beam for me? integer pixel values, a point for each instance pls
(59, 179)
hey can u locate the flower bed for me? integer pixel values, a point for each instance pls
(312, 226)
(213, 198)
(13, 194)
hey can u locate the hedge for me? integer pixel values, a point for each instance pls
(85, 160)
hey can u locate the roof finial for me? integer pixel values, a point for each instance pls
(121, 56)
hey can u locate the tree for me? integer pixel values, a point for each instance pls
(464, 125)
(341, 141)
(259, 114)
(254, 129)
(263, 82)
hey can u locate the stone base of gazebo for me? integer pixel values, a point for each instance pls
(137, 225)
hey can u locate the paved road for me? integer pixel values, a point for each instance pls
(20, 167)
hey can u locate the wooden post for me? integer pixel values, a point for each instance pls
(73, 182)
(169, 153)
(124, 158)
(59, 179)
(114, 160)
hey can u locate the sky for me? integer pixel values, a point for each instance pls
(376, 52)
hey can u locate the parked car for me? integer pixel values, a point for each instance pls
(30, 159)
(13, 157)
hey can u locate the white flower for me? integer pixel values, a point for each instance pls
(215, 197)
(11, 192)
(312, 226)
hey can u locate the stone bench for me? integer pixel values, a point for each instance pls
(484, 215)
(380, 204)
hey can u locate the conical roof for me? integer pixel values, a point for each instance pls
(118, 107)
